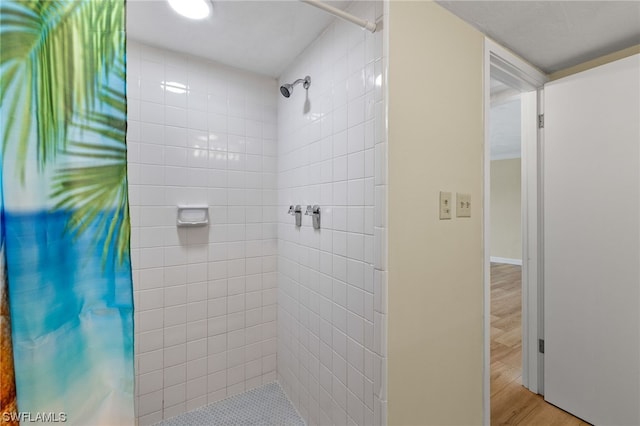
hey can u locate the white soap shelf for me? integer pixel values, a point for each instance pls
(192, 216)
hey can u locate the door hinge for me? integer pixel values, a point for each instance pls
(540, 121)
(541, 346)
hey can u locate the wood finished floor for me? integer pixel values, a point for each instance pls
(511, 403)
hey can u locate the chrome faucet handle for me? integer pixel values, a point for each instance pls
(297, 213)
(314, 212)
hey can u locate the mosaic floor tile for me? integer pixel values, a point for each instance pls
(266, 406)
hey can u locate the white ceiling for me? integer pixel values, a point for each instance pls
(554, 35)
(259, 36)
(266, 36)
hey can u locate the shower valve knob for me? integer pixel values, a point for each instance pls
(314, 212)
(297, 213)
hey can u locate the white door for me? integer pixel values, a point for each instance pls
(592, 243)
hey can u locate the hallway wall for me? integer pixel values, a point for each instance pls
(506, 238)
(435, 266)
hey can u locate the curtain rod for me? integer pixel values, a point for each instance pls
(362, 23)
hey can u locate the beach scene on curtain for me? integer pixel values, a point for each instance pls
(65, 211)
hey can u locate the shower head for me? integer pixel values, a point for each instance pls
(286, 89)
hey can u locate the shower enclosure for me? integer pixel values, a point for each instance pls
(251, 299)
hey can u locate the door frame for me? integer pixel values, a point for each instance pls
(517, 73)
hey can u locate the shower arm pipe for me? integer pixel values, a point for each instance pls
(362, 23)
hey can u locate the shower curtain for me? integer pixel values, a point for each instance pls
(66, 276)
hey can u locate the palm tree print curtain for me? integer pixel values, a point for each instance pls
(66, 287)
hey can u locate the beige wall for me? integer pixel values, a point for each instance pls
(435, 327)
(506, 240)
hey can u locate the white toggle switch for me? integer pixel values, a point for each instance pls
(445, 205)
(463, 205)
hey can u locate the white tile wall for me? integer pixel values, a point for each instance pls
(205, 298)
(332, 282)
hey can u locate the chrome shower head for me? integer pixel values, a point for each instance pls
(286, 89)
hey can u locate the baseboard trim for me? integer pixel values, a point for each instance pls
(506, 260)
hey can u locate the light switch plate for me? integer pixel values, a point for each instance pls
(445, 205)
(463, 205)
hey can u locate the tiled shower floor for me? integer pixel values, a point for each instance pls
(267, 406)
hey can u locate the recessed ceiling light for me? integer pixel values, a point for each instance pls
(192, 9)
